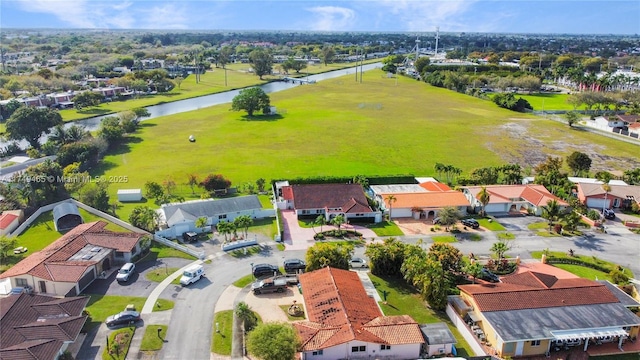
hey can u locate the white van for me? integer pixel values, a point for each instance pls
(192, 274)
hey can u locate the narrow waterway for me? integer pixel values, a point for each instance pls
(181, 106)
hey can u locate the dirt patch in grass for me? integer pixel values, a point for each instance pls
(528, 143)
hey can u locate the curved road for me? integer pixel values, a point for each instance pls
(190, 328)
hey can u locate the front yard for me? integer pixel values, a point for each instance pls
(402, 299)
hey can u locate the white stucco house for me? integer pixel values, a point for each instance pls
(178, 218)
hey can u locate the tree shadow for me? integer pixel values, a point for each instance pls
(275, 117)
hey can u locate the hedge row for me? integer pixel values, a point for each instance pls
(577, 261)
(373, 180)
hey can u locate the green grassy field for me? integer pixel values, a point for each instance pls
(151, 341)
(221, 341)
(373, 128)
(211, 82)
(546, 102)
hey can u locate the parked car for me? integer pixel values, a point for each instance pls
(265, 270)
(189, 236)
(123, 318)
(357, 262)
(488, 276)
(192, 274)
(269, 286)
(436, 221)
(294, 266)
(472, 223)
(125, 272)
(609, 214)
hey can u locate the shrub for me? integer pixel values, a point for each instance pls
(593, 214)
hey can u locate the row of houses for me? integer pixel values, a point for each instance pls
(65, 100)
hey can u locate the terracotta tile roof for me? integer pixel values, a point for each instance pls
(38, 324)
(434, 186)
(530, 290)
(428, 199)
(51, 263)
(6, 219)
(287, 193)
(629, 118)
(35, 349)
(535, 194)
(336, 297)
(340, 311)
(635, 125)
(332, 196)
(619, 191)
(395, 330)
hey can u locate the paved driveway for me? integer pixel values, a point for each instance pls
(138, 285)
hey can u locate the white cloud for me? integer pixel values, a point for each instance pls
(84, 13)
(414, 15)
(166, 16)
(332, 18)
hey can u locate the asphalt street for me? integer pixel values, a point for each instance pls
(191, 324)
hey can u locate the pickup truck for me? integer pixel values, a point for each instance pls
(291, 279)
(269, 286)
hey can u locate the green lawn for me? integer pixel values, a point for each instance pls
(584, 272)
(308, 138)
(221, 341)
(404, 300)
(158, 251)
(159, 274)
(151, 341)
(213, 81)
(492, 225)
(163, 304)
(102, 306)
(123, 338)
(244, 281)
(587, 259)
(285, 309)
(444, 239)
(505, 236)
(385, 228)
(551, 101)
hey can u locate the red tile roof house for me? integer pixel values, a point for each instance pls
(512, 199)
(620, 196)
(345, 323)
(311, 200)
(39, 327)
(9, 221)
(428, 197)
(531, 313)
(68, 265)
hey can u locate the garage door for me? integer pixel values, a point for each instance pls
(86, 279)
(597, 203)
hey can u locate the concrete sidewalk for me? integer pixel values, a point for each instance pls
(154, 318)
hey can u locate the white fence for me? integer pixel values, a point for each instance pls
(466, 334)
(184, 249)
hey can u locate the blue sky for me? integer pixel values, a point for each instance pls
(505, 16)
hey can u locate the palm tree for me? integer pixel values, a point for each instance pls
(192, 181)
(244, 221)
(320, 220)
(551, 212)
(440, 168)
(499, 248)
(201, 222)
(474, 269)
(246, 315)
(338, 220)
(224, 228)
(76, 133)
(58, 135)
(607, 189)
(390, 199)
(484, 197)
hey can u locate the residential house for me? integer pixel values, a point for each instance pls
(71, 263)
(609, 122)
(181, 217)
(619, 196)
(345, 323)
(504, 199)
(420, 201)
(634, 129)
(531, 313)
(330, 200)
(39, 327)
(9, 221)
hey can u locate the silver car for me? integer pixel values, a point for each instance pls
(125, 272)
(357, 262)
